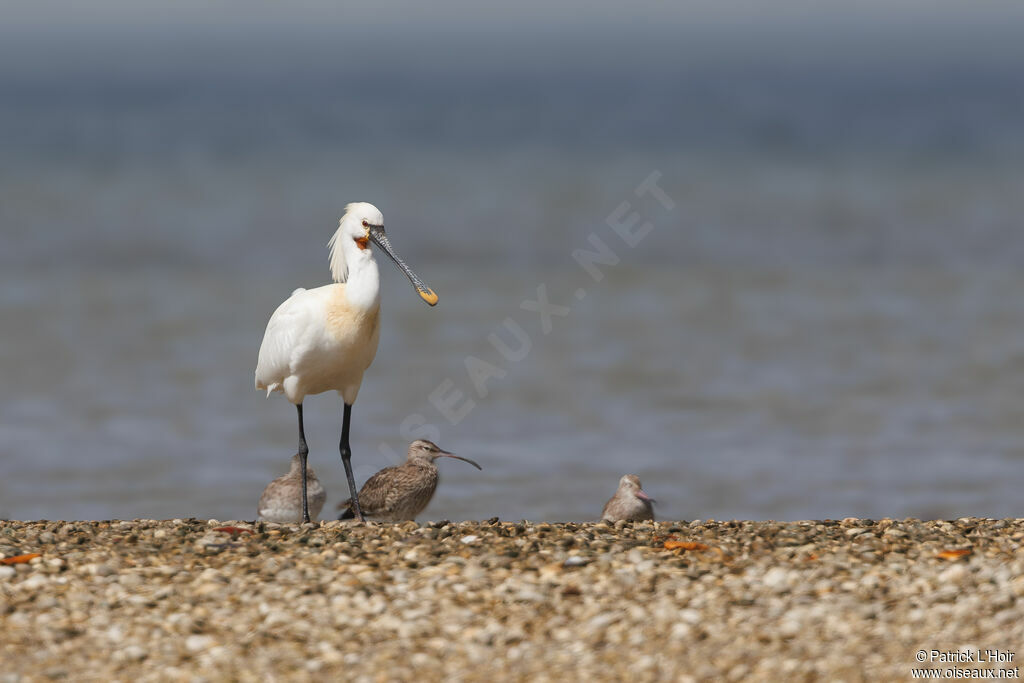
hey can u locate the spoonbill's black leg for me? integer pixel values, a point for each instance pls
(303, 454)
(346, 460)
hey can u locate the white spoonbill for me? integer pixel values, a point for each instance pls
(323, 339)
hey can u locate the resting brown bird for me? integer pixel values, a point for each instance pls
(629, 503)
(282, 499)
(398, 494)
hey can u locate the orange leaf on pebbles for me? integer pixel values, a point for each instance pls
(20, 559)
(954, 554)
(684, 545)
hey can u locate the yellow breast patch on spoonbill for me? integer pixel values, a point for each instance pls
(345, 321)
(362, 242)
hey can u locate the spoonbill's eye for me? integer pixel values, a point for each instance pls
(366, 224)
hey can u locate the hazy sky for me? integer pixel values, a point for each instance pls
(41, 34)
(531, 13)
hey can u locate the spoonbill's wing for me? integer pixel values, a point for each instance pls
(283, 335)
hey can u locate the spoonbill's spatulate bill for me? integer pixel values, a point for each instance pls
(323, 339)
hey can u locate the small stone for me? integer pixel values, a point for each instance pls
(529, 595)
(130, 580)
(789, 628)
(196, 643)
(133, 653)
(35, 581)
(690, 616)
(681, 631)
(776, 577)
(954, 574)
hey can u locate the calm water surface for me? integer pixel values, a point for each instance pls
(733, 394)
(828, 323)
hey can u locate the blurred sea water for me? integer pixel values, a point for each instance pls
(827, 323)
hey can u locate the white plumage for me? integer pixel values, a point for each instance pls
(319, 340)
(323, 339)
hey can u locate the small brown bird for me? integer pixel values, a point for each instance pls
(629, 503)
(398, 494)
(282, 499)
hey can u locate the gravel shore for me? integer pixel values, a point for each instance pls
(740, 601)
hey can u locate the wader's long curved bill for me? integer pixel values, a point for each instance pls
(446, 454)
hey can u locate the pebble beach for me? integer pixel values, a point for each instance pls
(837, 600)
